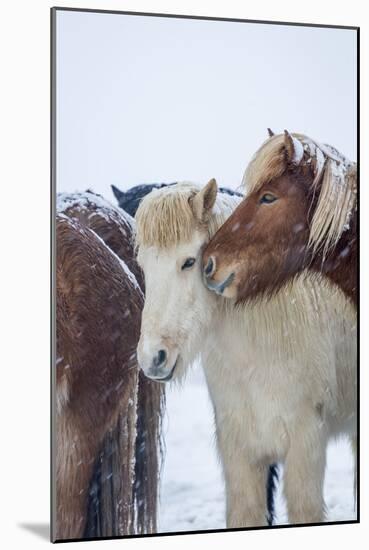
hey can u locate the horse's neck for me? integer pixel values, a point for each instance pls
(340, 265)
(275, 329)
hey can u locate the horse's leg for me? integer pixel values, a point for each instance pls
(304, 474)
(245, 483)
(272, 480)
(71, 501)
(75, 460)
(246, 494)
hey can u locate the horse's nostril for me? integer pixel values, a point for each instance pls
(209, 268)
(160, 358)
(229, 280)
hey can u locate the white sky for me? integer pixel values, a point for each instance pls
(146, 99)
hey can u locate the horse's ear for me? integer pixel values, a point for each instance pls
(119, 195)
(270, 132)
(203, 201)
(294, 149)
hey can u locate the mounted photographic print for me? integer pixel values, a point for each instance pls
(204, 224)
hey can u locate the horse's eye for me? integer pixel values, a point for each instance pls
(267, 198)
(188, 263)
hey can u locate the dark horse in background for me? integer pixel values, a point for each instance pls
(108, 415)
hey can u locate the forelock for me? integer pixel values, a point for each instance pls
(268, 162)
(164, 217)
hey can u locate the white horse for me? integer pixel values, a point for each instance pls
(280, 373)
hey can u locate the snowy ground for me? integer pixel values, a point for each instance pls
(192, 491)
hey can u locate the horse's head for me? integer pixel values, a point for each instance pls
(286, 217)
(172, 229)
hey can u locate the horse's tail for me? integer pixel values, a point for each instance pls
(111, 508)
(271, 486)
(149, 453)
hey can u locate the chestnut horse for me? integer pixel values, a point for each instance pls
(279, 372)
(108, 416)
(299, 214)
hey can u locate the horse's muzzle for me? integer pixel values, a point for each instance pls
(161, 373)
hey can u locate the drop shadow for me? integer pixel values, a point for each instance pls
(42, 530)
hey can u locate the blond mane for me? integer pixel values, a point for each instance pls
(165, 217)
(336, 175)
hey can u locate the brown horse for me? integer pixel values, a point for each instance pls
(108, 416)
(299, 213)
